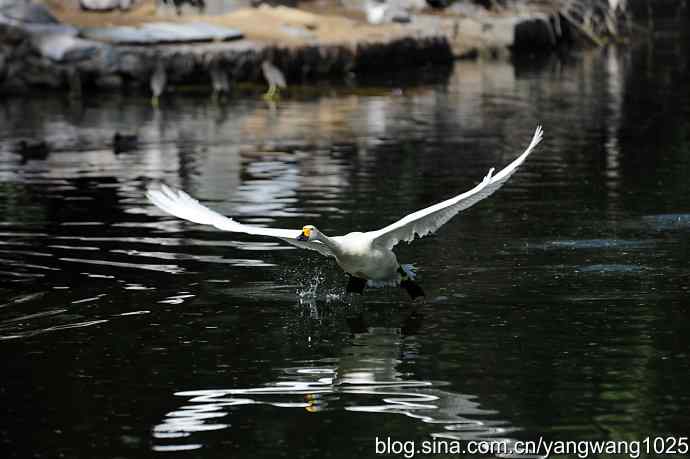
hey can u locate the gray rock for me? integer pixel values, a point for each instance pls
(21, 50)
(134, 64)
(117, 35)
(162, 32)
(65, 47)
(11, 36)
(181, 66)
(534, 33)
(103, 62)
(13, 86)
(190, 32)
(3, 66)
(28, 12)
(34, 18)
(37, 72)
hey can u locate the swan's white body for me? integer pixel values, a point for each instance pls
(367, 255)
(361, 258)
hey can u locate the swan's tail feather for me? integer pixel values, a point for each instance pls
(409, 271)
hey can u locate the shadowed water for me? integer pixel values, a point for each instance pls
(556, 308)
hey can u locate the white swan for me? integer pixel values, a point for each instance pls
(368, 257)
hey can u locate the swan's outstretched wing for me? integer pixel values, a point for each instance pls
(428, 220)
(181, 205)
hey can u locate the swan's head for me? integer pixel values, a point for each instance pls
(309, 233)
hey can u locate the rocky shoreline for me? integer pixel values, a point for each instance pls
(39, 51)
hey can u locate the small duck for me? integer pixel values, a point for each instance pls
(125, 142)
(38, 150)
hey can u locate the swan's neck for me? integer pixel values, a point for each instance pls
(330, 243)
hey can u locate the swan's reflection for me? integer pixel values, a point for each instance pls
(366, 378)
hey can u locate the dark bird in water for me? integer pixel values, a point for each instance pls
(275, 79)
(159, 79)
(125, 142)
(38, 150)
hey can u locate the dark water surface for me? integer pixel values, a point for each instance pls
(556, 308)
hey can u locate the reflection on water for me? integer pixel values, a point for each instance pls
(560, 304)
(364, 379)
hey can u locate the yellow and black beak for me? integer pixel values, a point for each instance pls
(305, 234)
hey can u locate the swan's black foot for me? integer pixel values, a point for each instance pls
(406, 282)
(412, 288)
(357, 323)
(355, 284)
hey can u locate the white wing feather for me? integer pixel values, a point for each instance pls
(181, 205)
(428, 220)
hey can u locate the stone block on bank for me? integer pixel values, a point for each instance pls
(3, 67)
(33, 18)
(181, 66)
(65, 47)
(534, 33)
(135, 64)
(471, 36)
(27, 12)
(162, 32)
(34, 71)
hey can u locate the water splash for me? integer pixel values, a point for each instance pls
(309, 290)
(316, 288)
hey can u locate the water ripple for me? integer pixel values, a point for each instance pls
(34, 332)
(594, 244)
(171, 269)
(666, 222)
(201, 258)
(362, 381)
